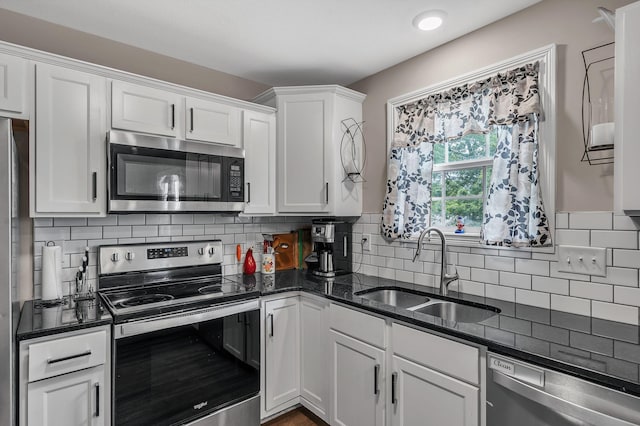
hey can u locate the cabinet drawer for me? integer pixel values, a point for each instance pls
(364, 327)
(60, 356)
(453, 358)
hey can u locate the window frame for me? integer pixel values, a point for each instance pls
(547, 57)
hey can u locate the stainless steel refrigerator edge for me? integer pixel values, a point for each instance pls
(9, 304)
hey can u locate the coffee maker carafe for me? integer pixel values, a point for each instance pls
(331, 247)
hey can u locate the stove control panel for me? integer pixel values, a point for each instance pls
(153, 256)
(161, 253)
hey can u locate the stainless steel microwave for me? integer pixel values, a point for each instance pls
(155, 174)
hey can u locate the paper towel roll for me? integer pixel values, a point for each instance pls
(51, 272)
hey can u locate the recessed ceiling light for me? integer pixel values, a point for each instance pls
(429, 20)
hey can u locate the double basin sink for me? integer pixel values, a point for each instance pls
(413, 301)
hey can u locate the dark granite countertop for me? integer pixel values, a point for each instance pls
(597, 350)
(37, 319)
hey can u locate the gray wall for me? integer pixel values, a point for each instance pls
(42, 35)
(564, 22)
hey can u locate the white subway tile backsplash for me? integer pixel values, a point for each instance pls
(532, 267)
(484, 276)
(550, 285)
(572, 237)
(409, 265)
(614, 239)
(515, 280)
(102, 221)
(625, 223)
(562, 220)
(619, 276)
(406, 276)
(472, 260)
(117, 231)
(70, 221)
(42, 222)
(52, 234)
(572, 305)
(500, 263)
(131, 219)
(593, 291)
(193, 229)
(627, 296)
(469, 287)
(181, 219)
(158, 219)
(144, 231)
(169, 230)
(591, 220)
(500, 292)
(86, 232)
(533, 298)
(614, 312)
(626, 258)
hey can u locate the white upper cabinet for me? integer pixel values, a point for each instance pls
(69, 174)
(259, 134)
(13, 87)
(208, 121)
(144, 109)
(627, 110)
(310, 177)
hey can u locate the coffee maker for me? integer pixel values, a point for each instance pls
(331, 254)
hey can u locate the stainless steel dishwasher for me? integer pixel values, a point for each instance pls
(523, 394)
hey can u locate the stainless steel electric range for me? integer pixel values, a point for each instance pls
(186, 344)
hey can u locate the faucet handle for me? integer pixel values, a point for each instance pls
(454, 275)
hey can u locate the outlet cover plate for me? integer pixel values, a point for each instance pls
(366, 242)
(582, 260)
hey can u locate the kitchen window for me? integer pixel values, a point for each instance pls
(480, 147)
(460, 178)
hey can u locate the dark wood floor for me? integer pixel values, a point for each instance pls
(298, 417)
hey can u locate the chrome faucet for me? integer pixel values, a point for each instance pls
(445, 279)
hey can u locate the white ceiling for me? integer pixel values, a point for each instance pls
(276, 42)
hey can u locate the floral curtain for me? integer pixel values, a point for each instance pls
(510, 102)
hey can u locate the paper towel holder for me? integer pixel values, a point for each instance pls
(597, 106)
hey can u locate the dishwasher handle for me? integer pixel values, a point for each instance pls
(556, 403)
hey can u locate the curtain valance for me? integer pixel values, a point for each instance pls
(505, 98)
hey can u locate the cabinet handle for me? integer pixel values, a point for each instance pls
(376, 372)
(345, 246)
(173, 116)
(271, 321)
(326, 193)
(67, 358)
(394, 379)
(191, 112)
(97, 399)
(94, 185)
(248, 192)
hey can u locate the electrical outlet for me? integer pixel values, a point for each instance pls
(366, 242)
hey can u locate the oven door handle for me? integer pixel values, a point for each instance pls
(184, 318)
(556, 403)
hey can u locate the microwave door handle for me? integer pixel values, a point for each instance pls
(556, 403)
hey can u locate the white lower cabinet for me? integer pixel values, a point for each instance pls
(357, 384)
(354, 369)
(282, 354)
(72, 399)
(423, 397)
(314, 359)
(65, 379)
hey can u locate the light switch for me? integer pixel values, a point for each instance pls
(582, 260)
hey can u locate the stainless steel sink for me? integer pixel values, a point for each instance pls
(445, 309)
(455, 312)
(397, 297)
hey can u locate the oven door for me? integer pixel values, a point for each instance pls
(180, 368)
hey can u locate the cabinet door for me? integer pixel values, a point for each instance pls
(357, 382)
(144, 109)
(72, 399)
(314, 357)
(304, 132)
(70, 143)
(424, 397)
(213, 122)
(13, 78)
(282, 353)
(260, 162)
